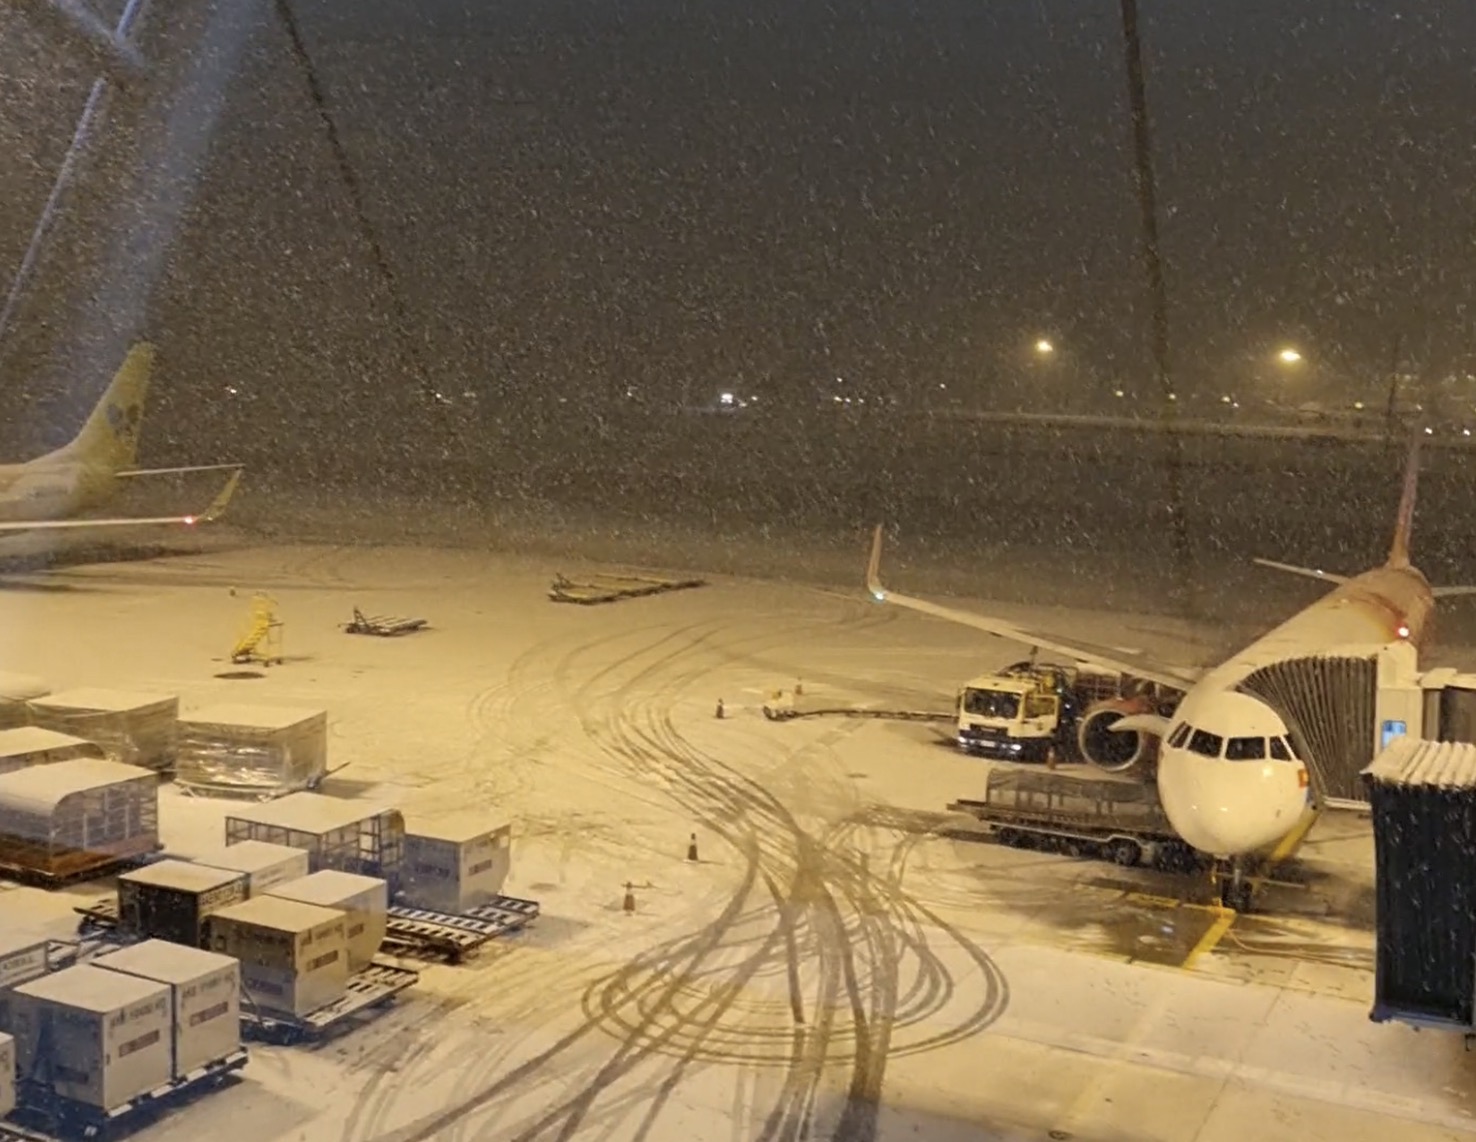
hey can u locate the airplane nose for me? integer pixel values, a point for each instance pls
(1227, 808)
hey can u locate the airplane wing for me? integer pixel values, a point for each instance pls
(178, 471)
(1127, 661)
(214, 511)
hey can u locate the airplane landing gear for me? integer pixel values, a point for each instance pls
(1235, 887)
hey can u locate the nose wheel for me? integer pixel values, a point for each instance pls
(1235, 887)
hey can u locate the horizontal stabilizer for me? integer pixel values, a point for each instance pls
(215, 509)
(1306, 572)
(1452, 592)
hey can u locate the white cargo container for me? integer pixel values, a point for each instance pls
(455, 864)
(264, 864)
(205, 992)
(7, 1074)
(16, 690)
(23, 955)
(364, 901)
(32, 745)
(136, 728)
(97, 1037)
(266, 749)
(294, 956)
(169, 900)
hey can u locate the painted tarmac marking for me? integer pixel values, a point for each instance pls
(1216, 932)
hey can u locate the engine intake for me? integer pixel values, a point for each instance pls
(1125, 751)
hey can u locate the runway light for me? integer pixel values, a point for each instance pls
(1288, 356)
(1044, 347)
(1119, 393)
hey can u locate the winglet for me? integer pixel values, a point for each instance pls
(220, 503)
(1404, 522)
(873, 568)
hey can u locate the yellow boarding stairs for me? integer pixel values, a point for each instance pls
(261, 640)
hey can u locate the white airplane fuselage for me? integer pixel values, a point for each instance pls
(1228, 807)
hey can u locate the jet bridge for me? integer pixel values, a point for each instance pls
(1345, 708)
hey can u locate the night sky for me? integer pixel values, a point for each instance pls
(577, 199)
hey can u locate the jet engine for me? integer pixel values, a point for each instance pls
(1117, 751)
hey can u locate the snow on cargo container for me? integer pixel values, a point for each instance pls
(456, 864)
(294, 956)
(243, 749)
(364, 901)
(264, 864)
(351, 836)
(134, 727)
(70, 817)
(205, 993)
(31, 745)
(169, 900)
(17, 691)
(7, 1074)
(97, 1037)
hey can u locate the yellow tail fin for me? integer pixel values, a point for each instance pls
(110, 436)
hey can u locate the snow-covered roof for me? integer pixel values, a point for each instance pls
(34, 739)
(181, 874)
(97, 698)
(308, 812)
(455, 829)
(278, 914)
(248, 856)
(92, 989)
(329, 887)
(41, 788)
(251, 717)
(21, 687)
(164, 961)
(1413, 761)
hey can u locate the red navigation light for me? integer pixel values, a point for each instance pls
(189, 521)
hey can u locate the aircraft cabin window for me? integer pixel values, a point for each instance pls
(1245, 749)
(1178, 736)
(1279, 750)
(1205, 743)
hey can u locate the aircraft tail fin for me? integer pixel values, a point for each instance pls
(110, 436)
(1404, 521)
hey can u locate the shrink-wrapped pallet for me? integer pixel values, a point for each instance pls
(262, 751)
(134, 727)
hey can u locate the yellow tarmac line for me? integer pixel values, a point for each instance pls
(1215, 933)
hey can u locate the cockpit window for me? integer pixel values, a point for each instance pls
(1178, 736)
(1245, 749)
(1205, 743)
(1279, 750)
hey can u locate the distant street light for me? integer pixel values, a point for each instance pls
(1288, 356)
(1044, 348)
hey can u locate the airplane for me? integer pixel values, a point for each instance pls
(1233, 808)
(50, 492)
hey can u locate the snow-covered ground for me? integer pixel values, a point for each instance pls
(827, 969)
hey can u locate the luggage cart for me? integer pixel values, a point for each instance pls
(454, 936)
(369, 990)
(384, 626)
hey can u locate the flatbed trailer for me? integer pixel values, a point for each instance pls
(43, 1116)
(383, 626)
(453, 936)
(369, 990)
(1115, 819)
(613, 588)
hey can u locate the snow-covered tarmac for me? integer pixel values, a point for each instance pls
(827, 969)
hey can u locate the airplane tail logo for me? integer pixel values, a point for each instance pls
(110, 436)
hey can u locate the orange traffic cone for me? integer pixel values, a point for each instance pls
(629, 903)
(720, 713)
(692, 848)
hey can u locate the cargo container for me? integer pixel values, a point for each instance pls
(264, 864)
(267, 750)
(96, 1037)
(205, 997)
(294, 956)
(170, 899)
(73, 817)
(23, 955)
(364, 901)
(31, 745)
(7, 1074)
(1423, 796)
(351, 836)
(134, 727)
(456, 864)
